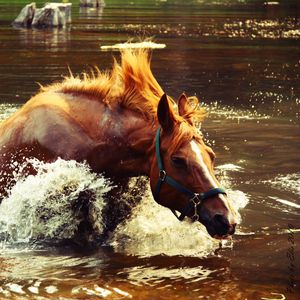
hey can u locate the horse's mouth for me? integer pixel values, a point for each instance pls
(223, 237)
(220, 233)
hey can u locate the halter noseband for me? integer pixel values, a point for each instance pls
(194, 198)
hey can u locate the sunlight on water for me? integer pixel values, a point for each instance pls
(290, 182)
(286, 202)
(231, 113)
(7, 110)
(229, 167)
(149, 275)
(271, 29)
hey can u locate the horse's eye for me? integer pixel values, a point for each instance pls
(178, 162)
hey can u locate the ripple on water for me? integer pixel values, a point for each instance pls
(288, 186)
(288, 182)
(151, 275)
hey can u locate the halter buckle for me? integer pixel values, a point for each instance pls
(196, 200)
(195, 217)
(162, 175)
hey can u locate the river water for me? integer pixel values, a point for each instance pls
(241, 58)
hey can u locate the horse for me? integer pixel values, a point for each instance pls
(122, 124)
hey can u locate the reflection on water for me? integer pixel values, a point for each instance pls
(253, 29)
(90, 13)
(242, 59)
(53, 40)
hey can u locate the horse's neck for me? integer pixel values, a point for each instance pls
(123, 150)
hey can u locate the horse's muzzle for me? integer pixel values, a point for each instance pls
(219, 227)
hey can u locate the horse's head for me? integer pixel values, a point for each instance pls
(182, 172)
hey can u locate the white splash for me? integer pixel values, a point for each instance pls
(42, 206)
(142, 45)
(153, 230)
(7, 110)
(51, 289)
(239, 198)
(16, 288)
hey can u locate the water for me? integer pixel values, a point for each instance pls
(242, 60)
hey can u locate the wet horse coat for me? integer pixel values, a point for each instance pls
(109, 120)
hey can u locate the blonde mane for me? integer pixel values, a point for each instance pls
(130, 84)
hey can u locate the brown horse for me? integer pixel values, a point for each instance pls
(110, 120)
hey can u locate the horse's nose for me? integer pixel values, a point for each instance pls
(222, 225)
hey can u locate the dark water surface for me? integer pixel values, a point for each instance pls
(242, 59)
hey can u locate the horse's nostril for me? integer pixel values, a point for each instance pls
(222, 225)
(220, 220)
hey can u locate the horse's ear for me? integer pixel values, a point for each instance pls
(184, 108)
(164, 114)
(183, 105)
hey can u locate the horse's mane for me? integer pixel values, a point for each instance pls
(130, 84)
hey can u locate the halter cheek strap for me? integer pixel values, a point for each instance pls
(195, 199)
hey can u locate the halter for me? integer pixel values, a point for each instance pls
(194, 198)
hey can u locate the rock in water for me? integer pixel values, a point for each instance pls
(51, 15)
(26, 15)
(92, 3)
(46, 17)
(64, 8)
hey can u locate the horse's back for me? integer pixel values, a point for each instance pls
(50, 120)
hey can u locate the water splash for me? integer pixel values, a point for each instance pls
(48, 207)
(45, 206)
(217, 110)
(7, 110)
(153, 230)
